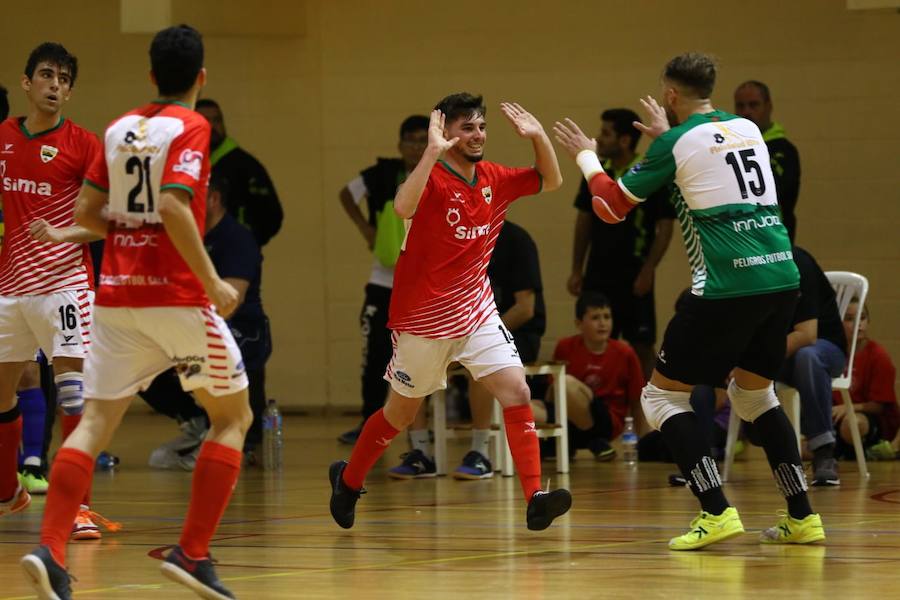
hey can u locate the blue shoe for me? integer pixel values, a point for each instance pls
(475, 465)
(415, 465)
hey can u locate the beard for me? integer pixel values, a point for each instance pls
(472, 158)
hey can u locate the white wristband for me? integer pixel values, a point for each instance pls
(589, 164)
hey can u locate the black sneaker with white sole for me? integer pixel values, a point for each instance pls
(343, 499)
(475, 465)
(46, 576)
(546, 506)
(825, 472)
(197, 575)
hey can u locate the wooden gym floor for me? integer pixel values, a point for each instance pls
(447, 539)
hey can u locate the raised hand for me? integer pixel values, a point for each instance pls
(436, 140)
(43, 231)
(658, 122)
(523, 122)
(569, 135)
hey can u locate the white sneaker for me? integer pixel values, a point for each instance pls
(193, 431)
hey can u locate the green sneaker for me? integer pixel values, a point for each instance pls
(707, 529)
(33, 481)
(883, 450)
(789, 530)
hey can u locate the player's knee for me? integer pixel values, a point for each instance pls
(70, 392)
(806, 359)
(659, 405)
(751, 404)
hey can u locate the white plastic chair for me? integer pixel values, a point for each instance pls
(500, 454)
(847, 286)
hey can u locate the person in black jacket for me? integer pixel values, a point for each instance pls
(753, 101)
(252, 200)
(383, 232)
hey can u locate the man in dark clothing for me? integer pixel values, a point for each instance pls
(815, 354)
(252, 200)
(753, 101)
(622, 258)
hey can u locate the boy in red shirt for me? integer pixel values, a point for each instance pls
(872, 392)
(603, 378)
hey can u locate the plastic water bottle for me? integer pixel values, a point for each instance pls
(273, 437)
(629, 443)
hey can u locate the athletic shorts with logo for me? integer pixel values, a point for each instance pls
(131, 346)
(419, 365)
(707, 338)
(58, 323)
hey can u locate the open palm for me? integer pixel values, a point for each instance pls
(436, 139)
(522, 121)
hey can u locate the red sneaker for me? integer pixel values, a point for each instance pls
(19, 502)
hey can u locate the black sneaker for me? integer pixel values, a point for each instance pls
(47, 578)
(601, 450)
(825, 472)
(198, 575)
(350, 437)
(343, 499)
(677, 480)
(415, 465)
(546, 506)
(475, 465)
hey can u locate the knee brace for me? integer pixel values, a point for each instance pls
(659, 405)
(70, 392)
(750, 404)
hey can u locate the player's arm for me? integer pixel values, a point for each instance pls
(241, 286)
(521, 311)
(527, 126)
(408, 195)
(178, 220)
(43, 231)
(804, 333)
(89, 211)
(609, 201)
(355, 214)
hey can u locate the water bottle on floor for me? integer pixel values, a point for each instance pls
(273, 437)
(629, 443)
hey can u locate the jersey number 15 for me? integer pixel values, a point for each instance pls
(749, 164)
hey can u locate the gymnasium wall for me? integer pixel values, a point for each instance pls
(317, 89)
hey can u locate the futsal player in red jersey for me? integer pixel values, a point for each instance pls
(147, 193)
(442, 309)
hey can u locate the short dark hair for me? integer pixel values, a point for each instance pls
(694, 71)
(176, 57)
(763, 88)
(4, 104)
(414, 123)
(622, 120)
(55, 54)
(461, 105)
(219, 183)
(589, 300)
(208, 103)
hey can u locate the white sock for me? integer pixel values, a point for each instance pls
(481, 441)
(419, 438)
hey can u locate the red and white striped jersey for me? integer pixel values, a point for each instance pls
(155, 147)
(41, 175)
(441, 287)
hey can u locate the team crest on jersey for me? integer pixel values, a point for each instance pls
(190, 162)
(453, 216)
(487, 193)
(48, 153)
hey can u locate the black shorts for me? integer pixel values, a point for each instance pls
(634, 317)
(528, 345)
(707, 338)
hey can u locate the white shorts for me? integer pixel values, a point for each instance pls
(419, 365)
(57, 323)
(131, 346)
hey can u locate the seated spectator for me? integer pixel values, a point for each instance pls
(515, 274)
(815, 355)
(603, 379)
(872, 392)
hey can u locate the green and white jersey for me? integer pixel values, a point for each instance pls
(726, 204)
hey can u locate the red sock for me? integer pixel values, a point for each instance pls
(375, 437)
(69, 423)
(523, 444)
(215, 476)
(10, 438)
(71, 476)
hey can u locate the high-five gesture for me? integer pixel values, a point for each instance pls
(436, 140)
(658, 122)
(524, 123)
(571, 138)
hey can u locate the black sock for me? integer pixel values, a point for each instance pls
(780, 443)
(685, 439)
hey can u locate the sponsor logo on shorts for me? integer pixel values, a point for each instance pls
(404, 379)
(188, 366)
(662, 356)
